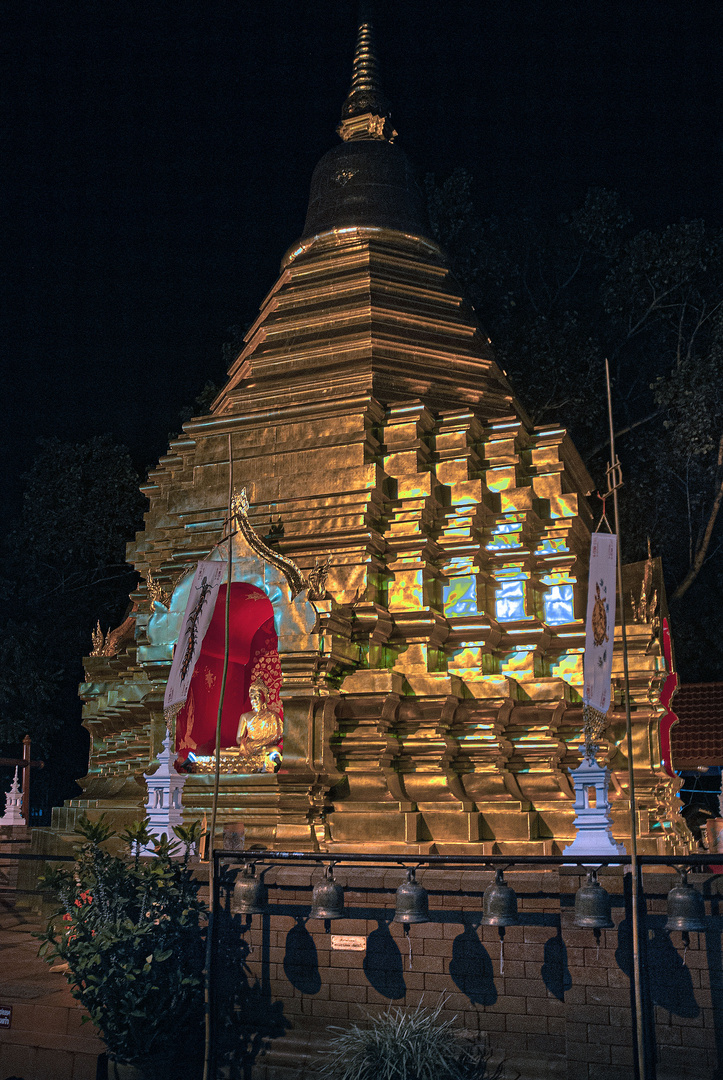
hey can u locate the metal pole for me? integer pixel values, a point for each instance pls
(208, 1053)
(26, 779)
(634, 870)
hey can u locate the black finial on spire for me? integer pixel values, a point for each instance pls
(365, 113)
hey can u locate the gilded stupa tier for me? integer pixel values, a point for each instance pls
(430, 685)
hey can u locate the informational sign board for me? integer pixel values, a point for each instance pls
(6, 1016)
(349, 942)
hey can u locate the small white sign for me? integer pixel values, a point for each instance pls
(349, 942)
(6, 1016)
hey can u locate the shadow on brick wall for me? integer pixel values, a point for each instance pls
(383, 965)
(301, 960)
(714, 956)
(471, 966)
(245, 1017)
(555, 972)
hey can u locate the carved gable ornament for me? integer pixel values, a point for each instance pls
(253, 562)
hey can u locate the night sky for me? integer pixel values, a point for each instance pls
(158, 157)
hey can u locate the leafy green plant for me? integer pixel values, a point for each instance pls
(131, 931)
(403, 1044)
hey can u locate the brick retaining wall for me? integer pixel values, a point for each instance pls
(560, 1008)
(47, 1039)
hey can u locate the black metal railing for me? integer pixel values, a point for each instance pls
(701, 859)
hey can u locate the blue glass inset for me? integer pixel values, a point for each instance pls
(505, 535)
(460, 596)
(559, 606)
(510, 601)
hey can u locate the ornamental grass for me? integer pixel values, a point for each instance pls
(404, 1044)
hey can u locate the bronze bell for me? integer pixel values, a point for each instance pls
(499, 903)
(249, 893)
(592, 905)
(686, 910)
(327, 899)
(412, 901)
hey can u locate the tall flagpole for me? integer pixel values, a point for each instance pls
(614, 482)
(208, 1054)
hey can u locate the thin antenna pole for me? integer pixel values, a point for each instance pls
(226, 647)
(26, 780)
(216, 777)
(614, 475)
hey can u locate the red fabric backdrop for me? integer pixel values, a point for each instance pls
(253, 653)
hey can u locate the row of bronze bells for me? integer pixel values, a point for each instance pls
(686, 910)
(249, 895)
(327, 898)
(499, 903)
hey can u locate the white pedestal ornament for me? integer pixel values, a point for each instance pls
(13, 804)
(165, 787)
(592, 823)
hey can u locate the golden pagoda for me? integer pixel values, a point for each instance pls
(421, 547)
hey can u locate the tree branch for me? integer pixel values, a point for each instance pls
(623, 431)
(702, 548)
(572, 275)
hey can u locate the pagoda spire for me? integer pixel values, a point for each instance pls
(365, 113)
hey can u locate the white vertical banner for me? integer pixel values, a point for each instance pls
(600, 621)
(199, 609)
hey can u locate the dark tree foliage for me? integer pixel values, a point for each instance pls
(63, 569)
(557, 296)
(202, 403)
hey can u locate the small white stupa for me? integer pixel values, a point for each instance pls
(592, 823)
(13, 815)
(165, 787)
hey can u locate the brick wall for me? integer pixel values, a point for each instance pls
(560, 1005)
(13, 839)
(47, 1039)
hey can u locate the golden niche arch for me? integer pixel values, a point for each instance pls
(271, 619)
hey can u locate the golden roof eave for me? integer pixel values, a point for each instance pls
(337, 237)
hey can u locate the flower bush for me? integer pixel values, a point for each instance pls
(131, 931)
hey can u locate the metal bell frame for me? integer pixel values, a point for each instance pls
(499, 903)
(327, 898)
(249, 893)
(412, 901)
(686, 908)
(592, 905)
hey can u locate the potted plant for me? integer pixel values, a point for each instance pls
(131, 931)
